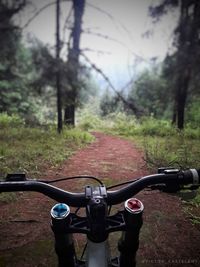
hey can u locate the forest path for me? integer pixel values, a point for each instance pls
(167, 239)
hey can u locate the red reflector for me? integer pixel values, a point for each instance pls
(134, 204)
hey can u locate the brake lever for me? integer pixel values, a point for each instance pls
(174, 188)
(179, 191)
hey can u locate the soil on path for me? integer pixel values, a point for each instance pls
(167, 239)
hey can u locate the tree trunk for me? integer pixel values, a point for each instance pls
(69, 118)
(73, 62)
(174, 115)
(58, 82)
(186, 55)
(182, 97)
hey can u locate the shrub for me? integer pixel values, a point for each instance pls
(122, 124)
(10, 120)
(88, 122)
(151, 126)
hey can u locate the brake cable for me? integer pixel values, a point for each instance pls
(71, 178)
(124, 183)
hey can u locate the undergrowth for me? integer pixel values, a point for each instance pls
(191, 209)
(128, 126)
(31, 150)
(174, 151)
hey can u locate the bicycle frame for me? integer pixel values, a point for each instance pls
(97, 254)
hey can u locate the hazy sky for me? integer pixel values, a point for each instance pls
(124, 21)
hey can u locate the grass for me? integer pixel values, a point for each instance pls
(34, 150)
(29, 150)
(191, 209)
(40, 252)
(175, 151)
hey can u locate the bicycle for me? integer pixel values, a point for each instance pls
(98, 223)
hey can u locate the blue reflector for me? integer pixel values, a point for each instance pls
(60, 210)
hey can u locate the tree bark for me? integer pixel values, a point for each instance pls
(69, 115)
(58, 82)
(73, 62)
(186, 55)
(182, 97)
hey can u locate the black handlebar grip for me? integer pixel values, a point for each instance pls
(195, 176)
(190, 176)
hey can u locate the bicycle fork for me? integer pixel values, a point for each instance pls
(64, 245)
(129, 242)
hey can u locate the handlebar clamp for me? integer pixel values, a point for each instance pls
(95, 192)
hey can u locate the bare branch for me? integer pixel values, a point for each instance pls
(129, 83)
(39, 11)
(101, 10)
(66, 22)
(111, 17)
(103, 36)
(131, 105)
(116, 41)
(96, 51)
(88, 31)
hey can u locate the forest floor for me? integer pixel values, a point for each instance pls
(167, 239)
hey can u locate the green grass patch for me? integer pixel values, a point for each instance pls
(38, 253)
(31, 150)
(175, 151)
(10, 121)
(192, 210)
(147, 126)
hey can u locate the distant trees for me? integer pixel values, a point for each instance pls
(187, 41)
(110, 103)
(28, 73)
(150, 91)
(44, 77)
(154, 92)
(14, 61)
(24, 71)
(173, 87)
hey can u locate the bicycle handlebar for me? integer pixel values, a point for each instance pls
(72, 199)
(191, 176)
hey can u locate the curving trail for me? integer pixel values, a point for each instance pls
(108, 156)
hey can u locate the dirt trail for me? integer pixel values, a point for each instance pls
(167, 239)
(108, 156)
